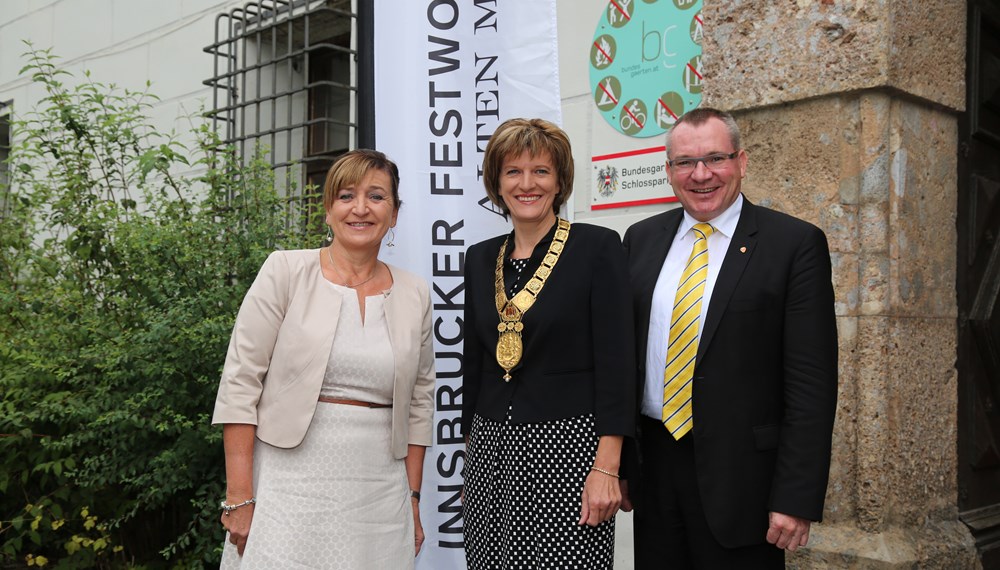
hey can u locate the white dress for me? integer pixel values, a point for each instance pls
(340, 500)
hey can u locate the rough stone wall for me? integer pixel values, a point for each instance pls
(877, 173)
(927, 49)
(847, 108)
(764, 53)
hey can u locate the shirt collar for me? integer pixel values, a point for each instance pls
(724, 223)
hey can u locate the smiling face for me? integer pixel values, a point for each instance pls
(526, 138)
(528, 187)
(360, 215)
(705, 193)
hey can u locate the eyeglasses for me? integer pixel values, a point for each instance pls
(712, 162)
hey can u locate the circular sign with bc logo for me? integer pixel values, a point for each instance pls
(645, 64)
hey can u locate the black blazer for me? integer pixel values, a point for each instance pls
(765, 388)
(579, 352)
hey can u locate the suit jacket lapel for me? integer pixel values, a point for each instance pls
(320, 315)
(392, 318)
(658, 248)
(741, 249)
(398, 318)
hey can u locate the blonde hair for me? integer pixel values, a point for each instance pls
(536, 136)
(352, 167)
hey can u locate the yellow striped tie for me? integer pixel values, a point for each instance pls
(684, 332)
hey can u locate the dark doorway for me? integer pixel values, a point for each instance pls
(979, 284)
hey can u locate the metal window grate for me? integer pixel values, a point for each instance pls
(5, 135)
(286, 81)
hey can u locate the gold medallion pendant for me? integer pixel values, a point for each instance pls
(510, 349)
(508, 352)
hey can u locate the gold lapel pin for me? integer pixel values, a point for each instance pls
(743, 249)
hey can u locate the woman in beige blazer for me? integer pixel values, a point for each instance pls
(326, 393)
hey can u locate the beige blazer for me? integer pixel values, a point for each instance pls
(281, 344)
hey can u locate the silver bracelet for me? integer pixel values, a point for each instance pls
(226, 509)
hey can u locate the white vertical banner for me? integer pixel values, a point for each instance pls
(447, 72)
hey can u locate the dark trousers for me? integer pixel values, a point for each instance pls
(671, 531)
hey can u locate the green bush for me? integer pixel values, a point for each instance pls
(119, 283)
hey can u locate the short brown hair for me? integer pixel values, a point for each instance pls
(536, 136)
(700, 115)
(352, 167)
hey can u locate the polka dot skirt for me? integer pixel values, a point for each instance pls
(523, 488)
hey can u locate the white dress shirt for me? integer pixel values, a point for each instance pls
(666, 290)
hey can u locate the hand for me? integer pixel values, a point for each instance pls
(626, 501)
(418, 529)
(787, 532)
(601, 498)
(238, 524)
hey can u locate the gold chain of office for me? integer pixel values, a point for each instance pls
(509, 345)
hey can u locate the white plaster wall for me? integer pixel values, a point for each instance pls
(577, 20)
(125, 42)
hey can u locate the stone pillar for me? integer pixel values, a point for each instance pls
(848, 110)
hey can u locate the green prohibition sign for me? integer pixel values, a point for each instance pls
(645, 64)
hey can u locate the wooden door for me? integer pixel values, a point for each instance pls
(978, 275)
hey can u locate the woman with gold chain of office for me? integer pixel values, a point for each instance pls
(549, 365)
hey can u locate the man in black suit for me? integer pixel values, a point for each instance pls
(737, 365)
